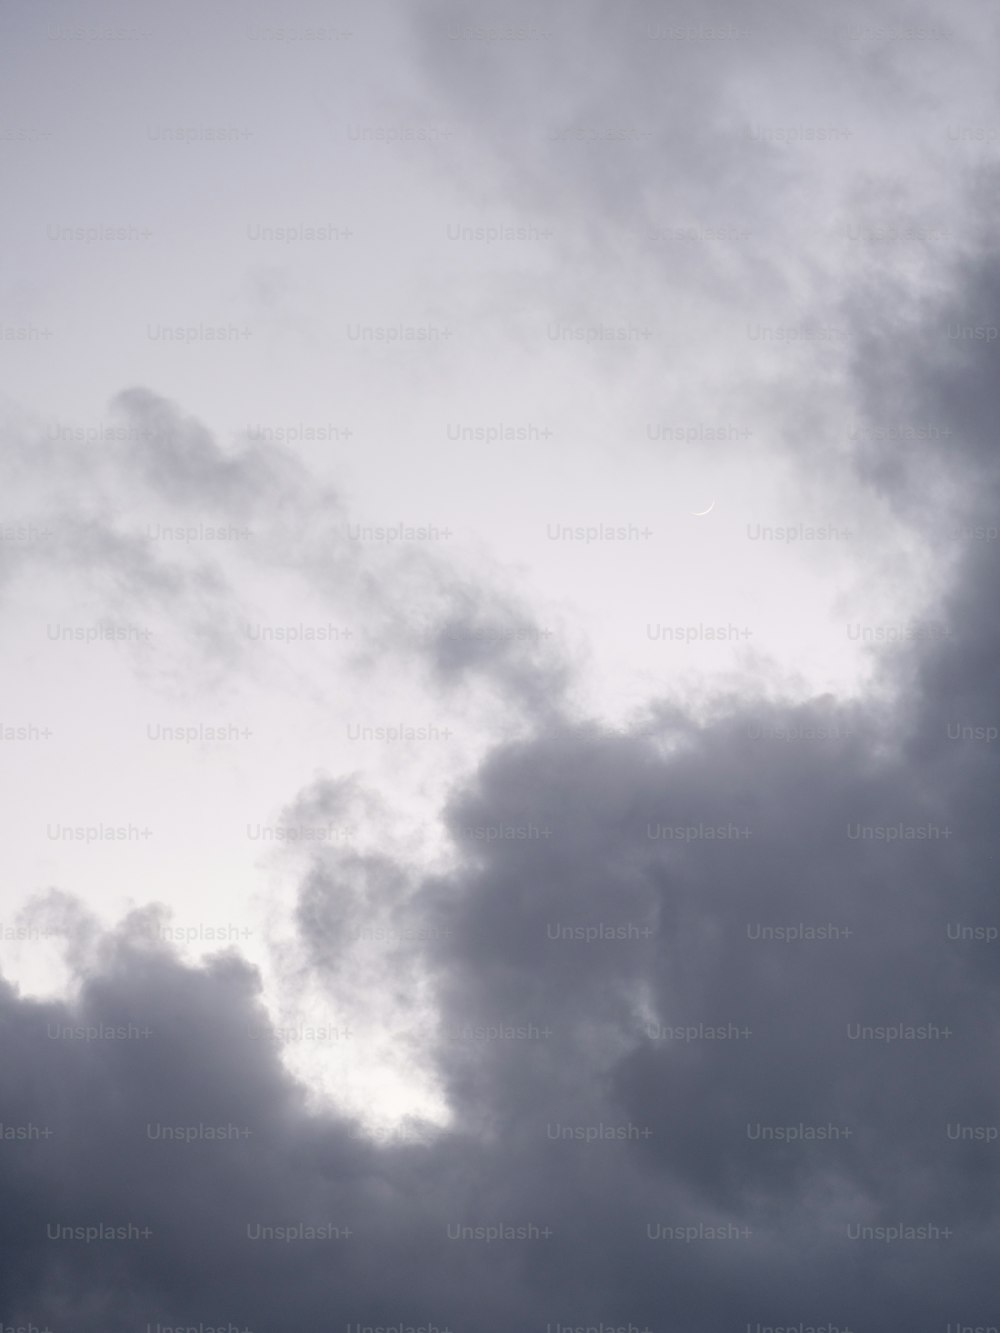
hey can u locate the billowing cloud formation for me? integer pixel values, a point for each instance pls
(696, 1010)
(714, 1012)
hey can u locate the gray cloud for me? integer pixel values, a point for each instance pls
(578, 817)
(644, 948)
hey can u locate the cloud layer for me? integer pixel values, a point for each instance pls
(545, 995)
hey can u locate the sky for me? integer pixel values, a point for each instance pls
(499, 514)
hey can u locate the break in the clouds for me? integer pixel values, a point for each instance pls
(500, 724)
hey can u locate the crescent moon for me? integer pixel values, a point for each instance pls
(700, 513)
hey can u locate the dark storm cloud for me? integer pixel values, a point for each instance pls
(808, 798)
(676, 1026)
(598, 954)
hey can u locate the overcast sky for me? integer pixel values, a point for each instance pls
(499, 514)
